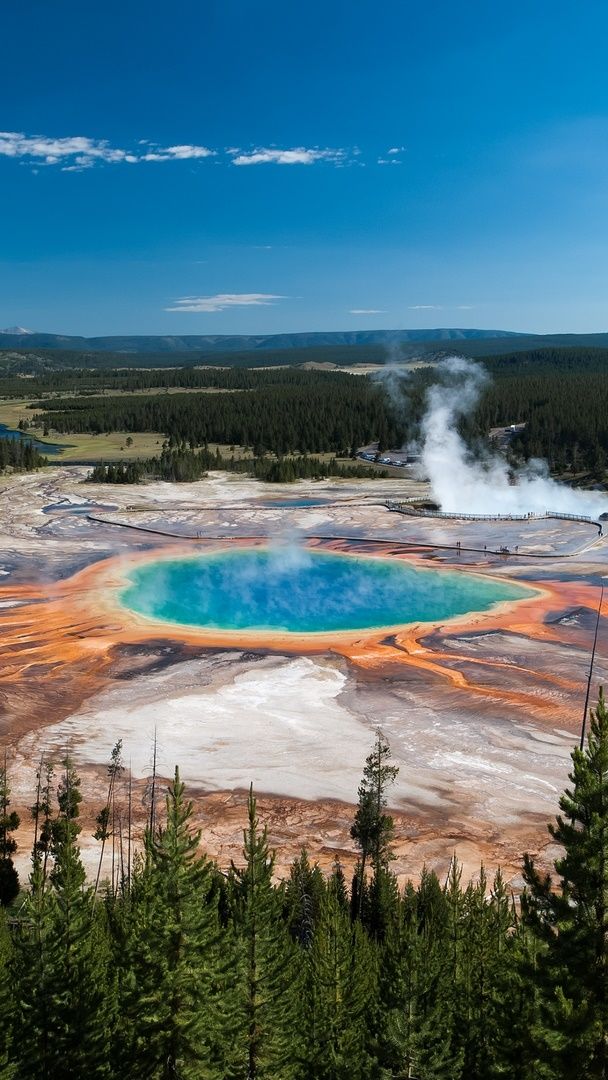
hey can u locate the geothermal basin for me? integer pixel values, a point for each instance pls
(295, 590)
(178, 619)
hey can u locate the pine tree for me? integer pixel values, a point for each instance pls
(373, 831)
(487, 975)
(65, 993)
(42, 813)
(33, 977)
(65, 830)
(7, 1002)
(176, 982)
(337, 882)
(341, 997)
(571, 922)
(417, 1025)
(304, 892)
(269, 972)
(103, 819)
(515, 1049)
(9, 821)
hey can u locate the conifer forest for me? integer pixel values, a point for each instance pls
(177, 967)
(558, 394)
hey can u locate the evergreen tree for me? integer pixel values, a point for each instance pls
(33, 977)
(417, 1026)
(65, 830)
(7, 1002)
(42, 813)
(9, 821)
(304, 892)
(571, 921)
(269, 973)
(177, 970)
(516, 1052)
(373, 828)
(486, 978)
(342, 985)
(105, 818)
(66, 999)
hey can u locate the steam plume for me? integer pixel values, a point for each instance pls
(463, 483)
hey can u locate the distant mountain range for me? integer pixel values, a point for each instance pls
(16, 337)
(29, 352)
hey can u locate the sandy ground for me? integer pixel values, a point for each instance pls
(481, 716)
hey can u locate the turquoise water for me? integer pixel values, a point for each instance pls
(303, 591)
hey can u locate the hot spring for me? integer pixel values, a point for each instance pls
(305, 591)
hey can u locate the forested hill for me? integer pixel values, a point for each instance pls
(27, 357)
(225, 343)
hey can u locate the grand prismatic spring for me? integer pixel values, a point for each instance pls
(299, 591)
(263, 636)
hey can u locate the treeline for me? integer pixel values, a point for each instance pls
(133, 379)
(561, 394)
(18, 455)
(563, 401)
(338, 413)
(35, 360)
(128, 379)
(552, 360)
(181, 465)
(175, 968)
(566, 418)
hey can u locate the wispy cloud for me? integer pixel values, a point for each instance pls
(178, 153)
(367, 311)
(392, 156)
(76, 152)
(441, 307)
(222, 301)
(299, 155)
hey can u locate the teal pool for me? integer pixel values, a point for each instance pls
(305, 591)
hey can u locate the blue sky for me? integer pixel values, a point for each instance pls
(220, 166)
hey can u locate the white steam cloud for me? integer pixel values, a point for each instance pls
(462, 482)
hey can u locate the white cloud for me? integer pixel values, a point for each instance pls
(299, 155)
(76, 152)
(367, 311)
(177, 153)
(222, 301)
(183, 152)
(391, 156)
(441, 307)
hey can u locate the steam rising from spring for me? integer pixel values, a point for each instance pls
(461, 482)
